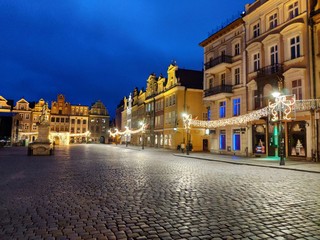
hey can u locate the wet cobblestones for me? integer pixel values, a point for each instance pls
(106, 192)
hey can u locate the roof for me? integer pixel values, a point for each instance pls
(190, 78)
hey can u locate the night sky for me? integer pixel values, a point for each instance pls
(92, 50)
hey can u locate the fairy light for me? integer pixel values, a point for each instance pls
(239, 120)
(283, 104)
(63, 136)
(187, 120)
(127, 131)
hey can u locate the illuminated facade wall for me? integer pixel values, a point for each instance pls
(315, 58)
(161, 106)
(99, 123)
(79, 119)
(225, 86)
(25, 123)
(4, 106)
(277, 44)
(271, 46)
(68, 123)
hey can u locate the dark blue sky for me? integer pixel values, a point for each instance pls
(100, 49)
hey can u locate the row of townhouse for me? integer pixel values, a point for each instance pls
(68, 123)
(273, 46)
(160, 108)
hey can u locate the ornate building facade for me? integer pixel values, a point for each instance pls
(160, 108)
(267, 49)
(68, 123)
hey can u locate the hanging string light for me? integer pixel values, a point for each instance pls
(127, 131)
(239, 120)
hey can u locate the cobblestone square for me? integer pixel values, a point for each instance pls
(112, 192)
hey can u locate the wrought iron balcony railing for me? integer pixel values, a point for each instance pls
(272, 69)
(217, 90)
(309, 104)
(218, 60)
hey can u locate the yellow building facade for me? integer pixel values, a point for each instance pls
(160, 108)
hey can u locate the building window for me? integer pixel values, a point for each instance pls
(78, 121)
(237, 76)
(72, 121)
(293, 10)
(273, 21)
(222, 109)
(209, 113)
(297, 89)
(84, 121)
(274, 55)
(256, 62)
(222, 140)
(223, 78)
(52, 119)
(165, 139)
(237, 49)
(236, 140)
(257, 102)
(236, 106)
(205, 116)
(62, 120)
(256, 30)
(295, 47)
(210, 83)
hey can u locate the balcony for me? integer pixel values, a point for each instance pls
(270, 70)
(218, 64)
(218, 92)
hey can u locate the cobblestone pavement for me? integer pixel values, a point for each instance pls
(107, 192)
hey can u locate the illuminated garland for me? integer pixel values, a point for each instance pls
(127, 131)
(239, 120)
(283, 104)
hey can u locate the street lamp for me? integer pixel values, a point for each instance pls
(281, 110)
(142, 124)
(277, 96)
(187, 122)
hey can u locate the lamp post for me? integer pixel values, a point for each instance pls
(280, 110)
(278, 98)
(143, 130)
(187, 122)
